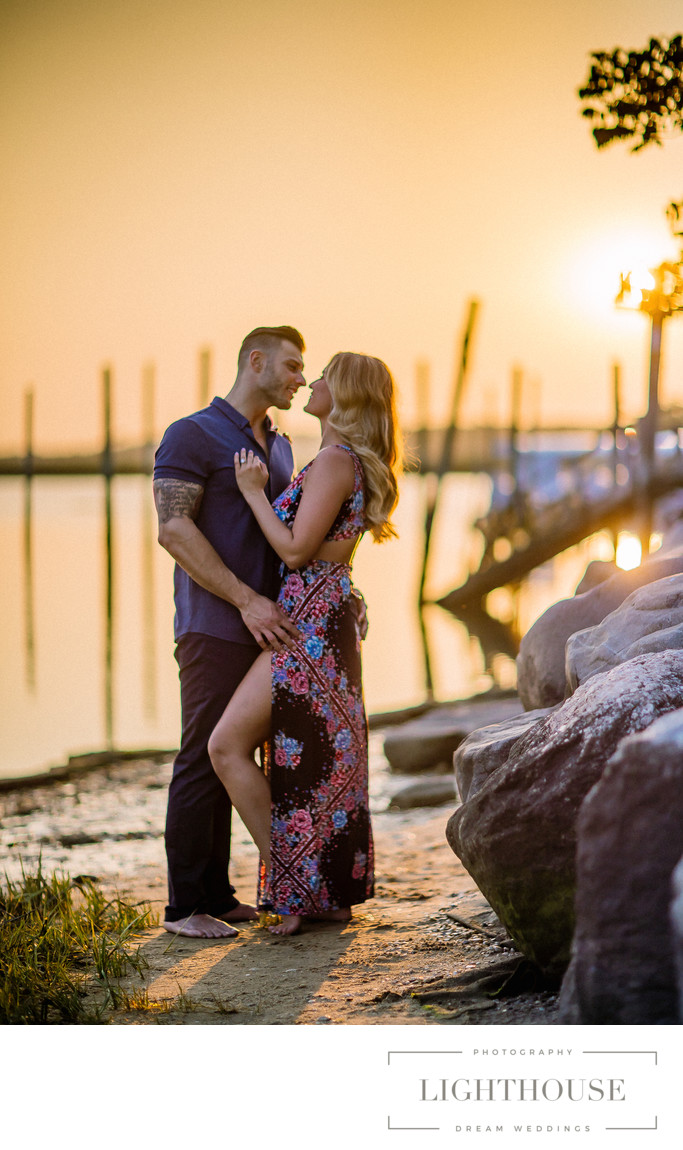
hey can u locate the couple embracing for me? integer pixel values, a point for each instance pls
(268, 629)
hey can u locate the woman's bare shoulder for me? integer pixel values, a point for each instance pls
(333, 460)
(333, 464)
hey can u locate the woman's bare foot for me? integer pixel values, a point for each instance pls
(291, 924)
(240, 913)
(200, 926)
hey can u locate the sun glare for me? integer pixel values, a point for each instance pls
(598, 265)
(628, 552)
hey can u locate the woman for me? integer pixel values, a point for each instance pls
(308, 810)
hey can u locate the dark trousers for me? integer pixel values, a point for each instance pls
(198, 818)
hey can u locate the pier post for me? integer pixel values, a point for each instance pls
(616, 422)
(148, 401)
(422, 392)
(29, 407)
(148, 637)
(204, 376)
(648, 431)
(515, 423)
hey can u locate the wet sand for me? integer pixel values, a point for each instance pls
(414, 954)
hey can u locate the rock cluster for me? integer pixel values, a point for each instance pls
(630, 840)
(427, 743)
(541, 660)
(571, 821)
(486, 749)
(516, 834)
(650, 619)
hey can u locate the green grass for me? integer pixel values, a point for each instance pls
(62, 941)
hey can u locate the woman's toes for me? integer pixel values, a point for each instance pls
(291, 924)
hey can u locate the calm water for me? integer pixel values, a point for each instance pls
(69, 684)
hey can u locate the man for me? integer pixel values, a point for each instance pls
(226, 581)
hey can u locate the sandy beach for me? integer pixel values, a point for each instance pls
(426, 950)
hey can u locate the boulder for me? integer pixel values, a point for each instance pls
(429, 742)
(487, 748)
(428, 792)
(541, 659)
(629, 840)
(597, 571)
(516, 835)
(676, 919)
(650, 619)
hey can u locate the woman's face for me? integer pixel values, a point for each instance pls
(320, 399)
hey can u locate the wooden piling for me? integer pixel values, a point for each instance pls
(149, 548)
(205, 376)
(29, 407)
(515, 426)
(148, 400)
(616, 418)
(433, 490)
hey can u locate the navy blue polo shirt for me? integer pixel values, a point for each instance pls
(200, 449)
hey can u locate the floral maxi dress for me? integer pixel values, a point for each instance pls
(317, 757)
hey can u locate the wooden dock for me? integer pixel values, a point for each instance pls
(478, 449)
(119, 461)
(558, 527)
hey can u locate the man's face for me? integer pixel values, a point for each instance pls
(282, 375)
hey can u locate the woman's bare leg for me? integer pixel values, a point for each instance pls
(244, 726)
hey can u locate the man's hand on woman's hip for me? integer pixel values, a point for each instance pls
(272, 629)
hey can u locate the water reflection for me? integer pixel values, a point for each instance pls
(149, 539)
(107, 471)
(29, 587)
(28, 580)
(499, 641)
(426, 655)
(149, 628)
(96, 628)
(108, 616)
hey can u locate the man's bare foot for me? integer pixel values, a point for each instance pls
(342, 915)
(291, 924)
(240, 913)
(200, 926)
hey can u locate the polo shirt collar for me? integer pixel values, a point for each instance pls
(236, 416)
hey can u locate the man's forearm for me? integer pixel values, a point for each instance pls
(192, 551)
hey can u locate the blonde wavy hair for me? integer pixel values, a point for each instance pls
(364, 416)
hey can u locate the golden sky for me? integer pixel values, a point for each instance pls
(177, 173)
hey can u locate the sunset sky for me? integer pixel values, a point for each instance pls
(177, 173)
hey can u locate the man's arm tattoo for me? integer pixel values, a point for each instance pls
(175, 498)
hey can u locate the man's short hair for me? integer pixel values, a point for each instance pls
(268, 339)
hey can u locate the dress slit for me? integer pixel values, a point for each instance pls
(322, 855)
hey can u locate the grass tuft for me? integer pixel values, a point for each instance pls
(54, 933)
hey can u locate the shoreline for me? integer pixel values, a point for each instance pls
(81, 764)
(411, 955)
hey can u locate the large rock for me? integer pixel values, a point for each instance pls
(517, 834)
(487, 748)
(430, 791)
(541, 659)
(650, 619)
(597, 571)
(676, 919)
(428, 742)
(629, 840)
